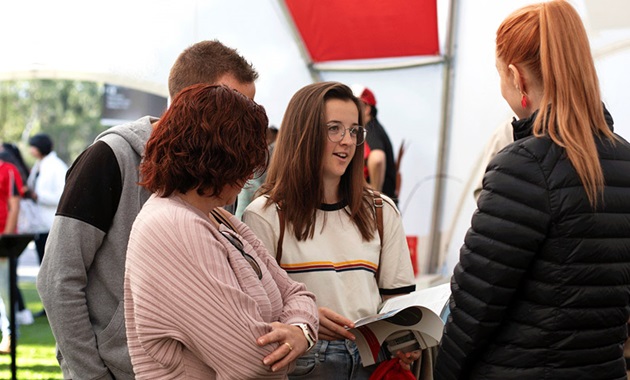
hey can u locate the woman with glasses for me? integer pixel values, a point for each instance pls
(203, 298)
(329, 240)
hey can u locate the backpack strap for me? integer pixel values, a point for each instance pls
(378, 210)
(281, 235)
(222, 216)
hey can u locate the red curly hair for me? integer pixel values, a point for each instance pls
(211, 136)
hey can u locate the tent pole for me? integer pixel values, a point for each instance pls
(435, 234)
(315, 74)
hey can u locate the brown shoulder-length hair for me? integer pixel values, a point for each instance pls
(549, 39)
(210, 137)
(206, 62)
(295, 174)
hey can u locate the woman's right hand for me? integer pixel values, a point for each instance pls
(333, 326)
(291, 344)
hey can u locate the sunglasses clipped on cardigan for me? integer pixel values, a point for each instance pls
(222, 217)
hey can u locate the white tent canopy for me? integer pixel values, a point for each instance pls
(133, 44)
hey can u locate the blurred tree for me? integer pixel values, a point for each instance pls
(69, 111)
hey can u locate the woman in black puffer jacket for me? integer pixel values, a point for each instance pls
(542, 289)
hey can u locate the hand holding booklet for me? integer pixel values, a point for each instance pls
(406, 323)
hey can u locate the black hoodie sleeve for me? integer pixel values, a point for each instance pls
(93, 187)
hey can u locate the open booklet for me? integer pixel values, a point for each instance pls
(406, 323)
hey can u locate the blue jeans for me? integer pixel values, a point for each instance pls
(337, 359)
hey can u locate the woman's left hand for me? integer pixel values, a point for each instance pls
(291, 345)
(407, 359)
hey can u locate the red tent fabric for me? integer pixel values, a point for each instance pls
(335, 30)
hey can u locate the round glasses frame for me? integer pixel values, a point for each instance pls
(336, 132)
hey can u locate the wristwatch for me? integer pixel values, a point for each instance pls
(307, 335)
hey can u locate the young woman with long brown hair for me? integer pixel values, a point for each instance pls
(543, 284)
(330, 240)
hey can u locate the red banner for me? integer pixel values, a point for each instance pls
(335, 30)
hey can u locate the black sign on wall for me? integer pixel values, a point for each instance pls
(122, 104)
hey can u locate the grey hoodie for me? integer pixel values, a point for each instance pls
(80, 280)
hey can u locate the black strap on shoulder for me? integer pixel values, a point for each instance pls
(281, 235)
(378, 210)
(222, 216)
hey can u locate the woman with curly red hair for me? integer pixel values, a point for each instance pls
(203, 298)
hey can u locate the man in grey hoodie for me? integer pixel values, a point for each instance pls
(81, 277)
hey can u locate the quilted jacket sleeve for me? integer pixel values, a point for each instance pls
(507, 230)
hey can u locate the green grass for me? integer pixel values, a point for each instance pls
(36, 345)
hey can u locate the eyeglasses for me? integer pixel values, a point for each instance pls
(239, 245)
(336, 133)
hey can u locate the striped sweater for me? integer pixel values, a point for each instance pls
(193, 305)
(336, 263)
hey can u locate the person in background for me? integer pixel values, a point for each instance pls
(542, 288)
(251, 187)
(10, 183)
(44, 186)
(45, 183)
(9, 152)
(381, 163)
(500, 138)
(80, 281)
(5, 325)
(231, 312)
(330, 240)
(272, 135)
(366, 154)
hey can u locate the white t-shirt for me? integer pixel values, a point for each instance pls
(47, 179)
(501, 137)
(336, 264)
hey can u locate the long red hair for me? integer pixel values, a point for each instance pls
(549, 39)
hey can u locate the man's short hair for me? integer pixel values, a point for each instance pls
(206, 62)
(42, 142)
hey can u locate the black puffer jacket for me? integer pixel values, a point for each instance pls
(542, 289)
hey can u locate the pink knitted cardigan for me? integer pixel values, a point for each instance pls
(193, 305)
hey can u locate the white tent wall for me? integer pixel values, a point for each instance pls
(478, 108)
(409, 103)
(408, 107)
(134, 43)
